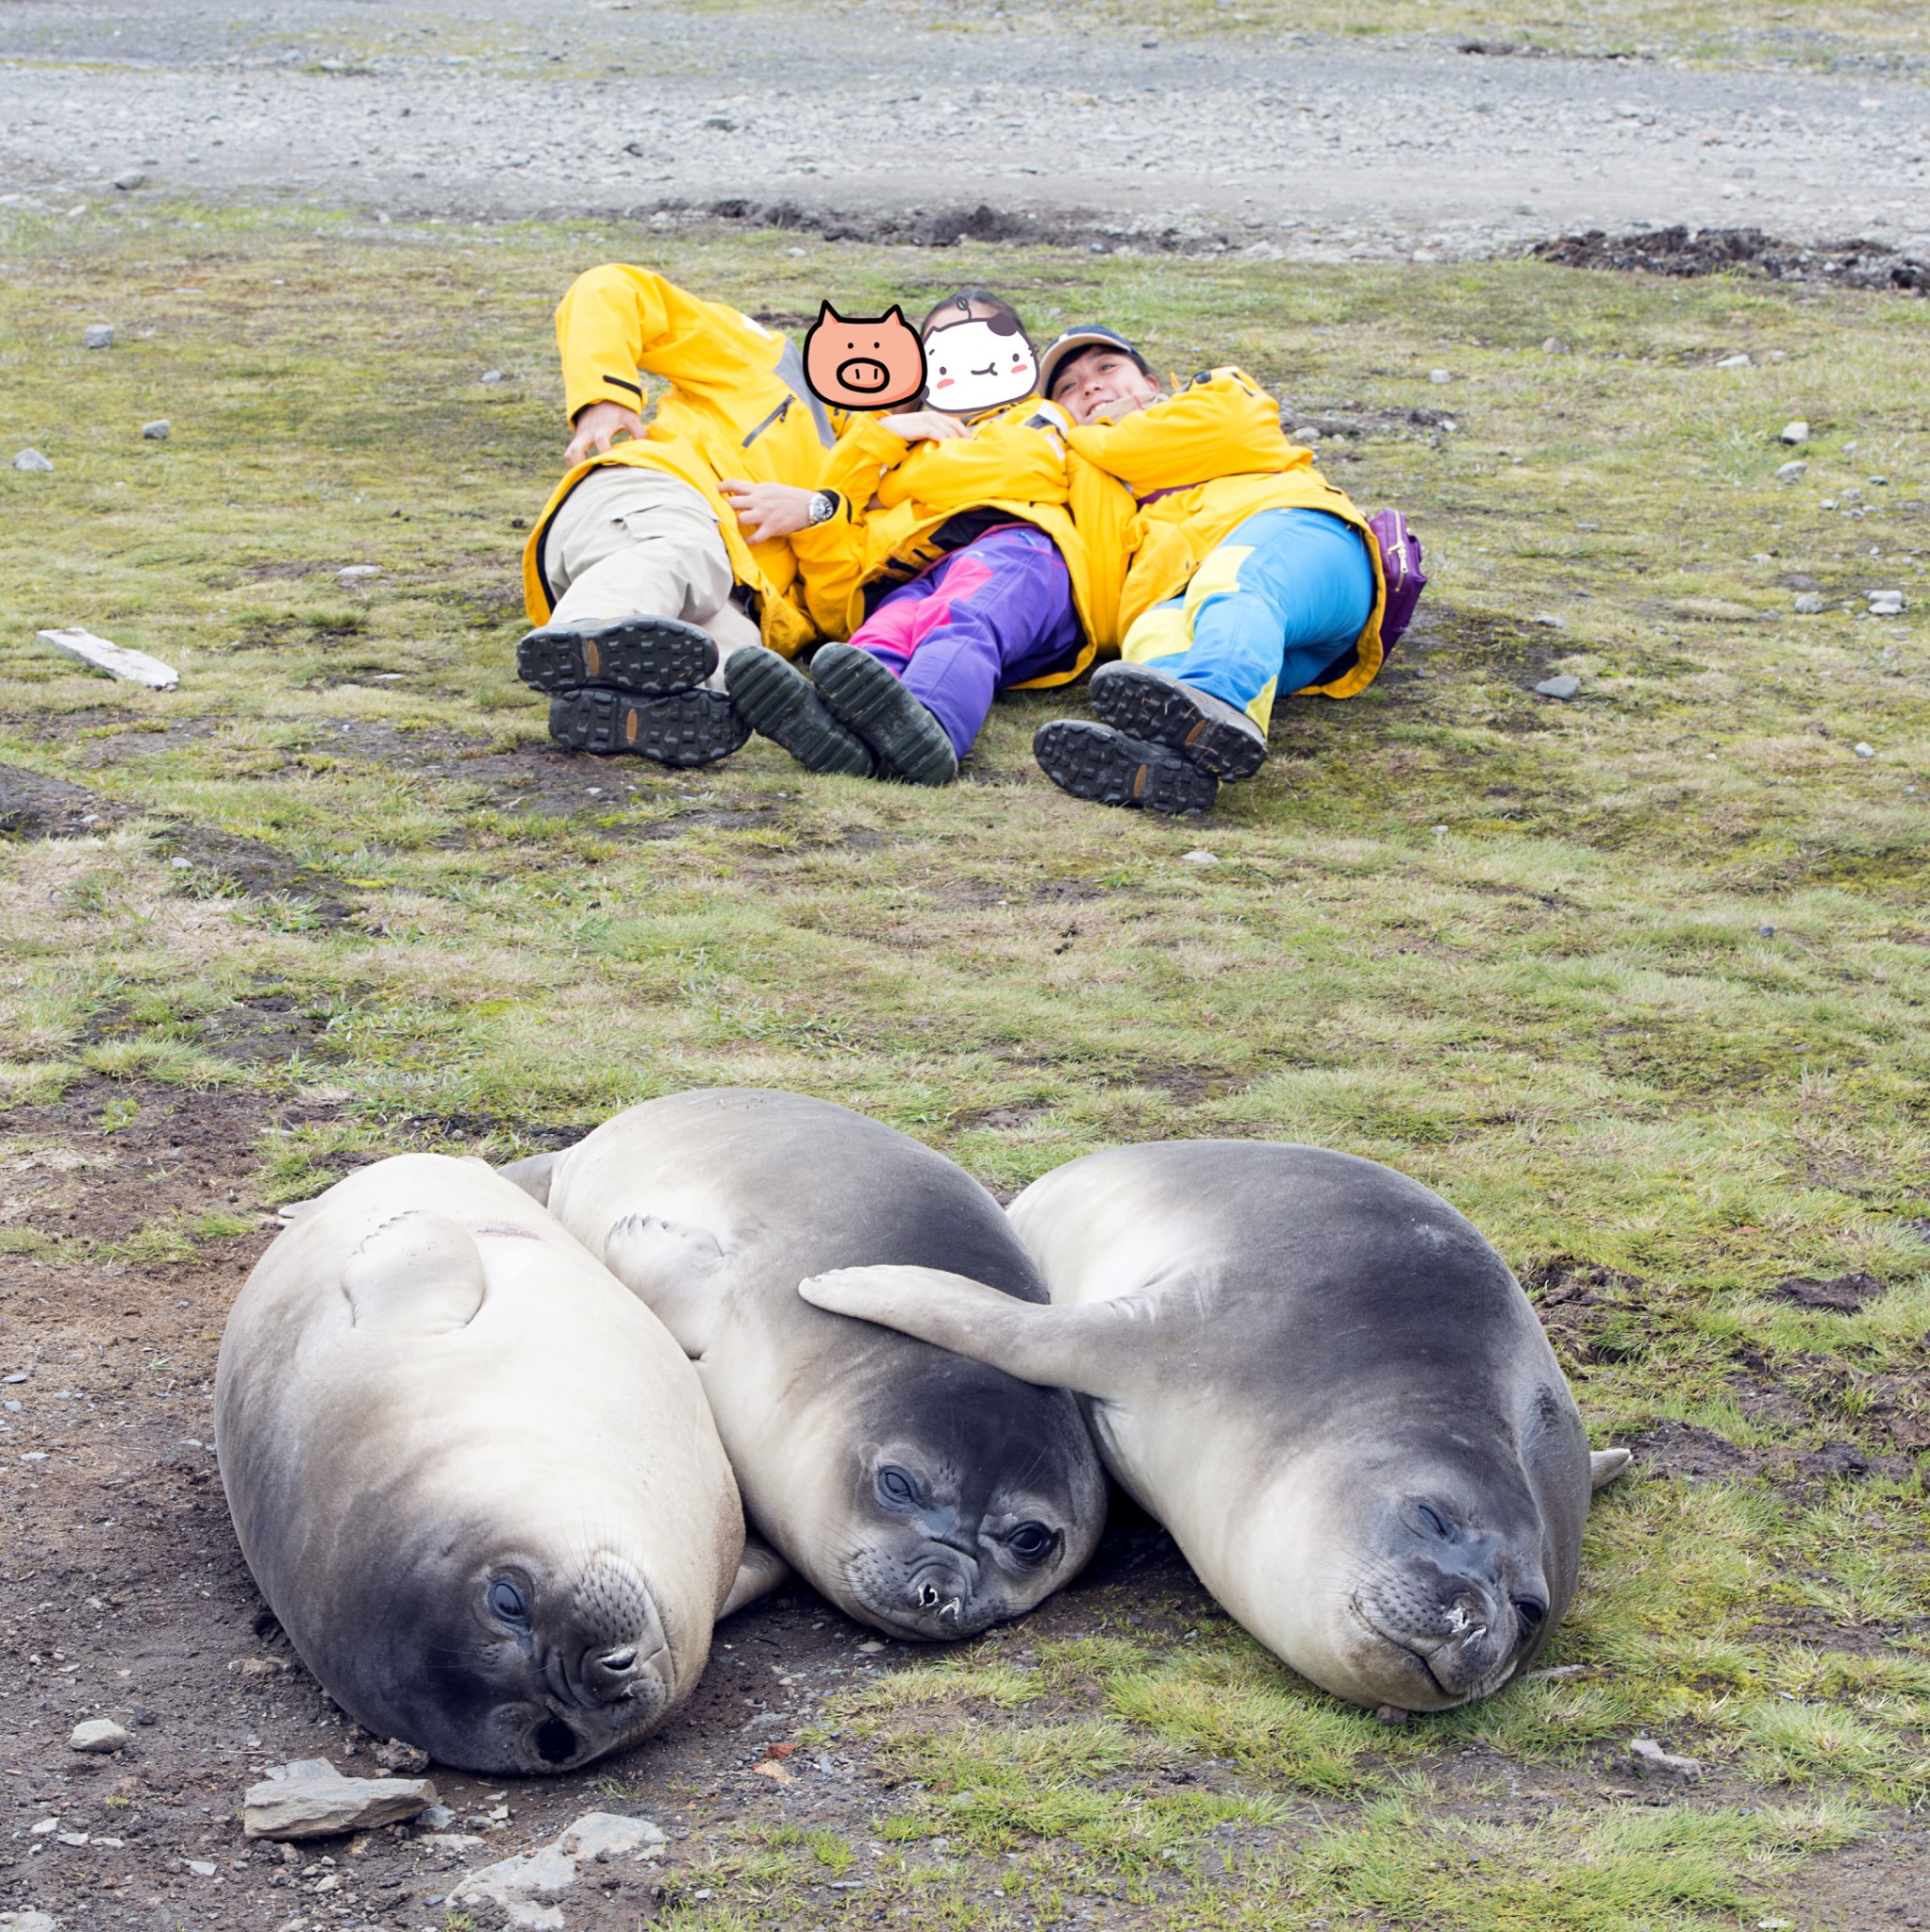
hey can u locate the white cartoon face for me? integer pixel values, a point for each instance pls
(977, 365)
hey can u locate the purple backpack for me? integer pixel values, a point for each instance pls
(1400, 563)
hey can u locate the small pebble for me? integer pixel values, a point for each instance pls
(1738, 361)
(132, 179)
(1796, 432)
(202, 1868)
(1790, 471)
(1440, 376)
(492, 375)
(1201, 857)
(1553, 346)
(1808, 605)
(1866, 751)
(357, 573)
(1549, 621)
(157, 431)
(1563, 687)
(99, 335)
(31, 459)
(1764, 932)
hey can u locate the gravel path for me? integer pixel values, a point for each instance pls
(882, 122)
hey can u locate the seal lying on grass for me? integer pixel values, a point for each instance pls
(1320, 1379)
(922, 1493)
(475, 1480)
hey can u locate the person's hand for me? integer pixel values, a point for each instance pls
(925, 425)
(765, 511)
(597, 427)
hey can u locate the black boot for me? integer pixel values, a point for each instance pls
(654, 656)
(1097, 762)
(908, 739)
(1156, 707)
(692, 728)
(776, 698)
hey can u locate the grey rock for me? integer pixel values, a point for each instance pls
(406, 1760)
(97, 335)
(1808, 605)
(98, 1735)
(1648, 1756)
(132, 179)
(32, 459)
(1440, 376)
(492, 375)
(1564, 687)
(157, 431)
(308, 1805)
(1796, 432)
(1790, 471)
(1555, 346)
(1887, 603)
(28, 1922)
(1548, 619)
(522, 1886)
(357, 572)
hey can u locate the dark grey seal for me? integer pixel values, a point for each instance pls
(1320, 1379)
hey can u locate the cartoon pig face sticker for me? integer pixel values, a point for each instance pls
(863, 361)
(977, 365)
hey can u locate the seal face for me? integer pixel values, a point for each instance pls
(1323, 1381)
(473, 1545)
(924, 1493)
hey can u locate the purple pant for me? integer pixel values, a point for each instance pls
(993, 613)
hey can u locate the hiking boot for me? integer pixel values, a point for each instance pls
(654, 656)
(1157, 707)
(690, 727)
(909, 742)
(776, 698)
(1097, 762)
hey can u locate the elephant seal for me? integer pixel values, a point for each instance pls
(475, 1480)
(922, 1493)
(1320, 1379)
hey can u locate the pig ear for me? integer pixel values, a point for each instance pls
(826, 313)
(895, 313)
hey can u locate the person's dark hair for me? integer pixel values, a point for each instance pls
(1003, 321)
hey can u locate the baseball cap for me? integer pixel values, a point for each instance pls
(1087, 336)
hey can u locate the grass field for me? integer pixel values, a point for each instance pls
(1637, 981)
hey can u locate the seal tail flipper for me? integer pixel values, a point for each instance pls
(1604, 1465)
(760, 1571)
(666, 1265)
(532, 1175)
(418, 1273)
(1055, 1347)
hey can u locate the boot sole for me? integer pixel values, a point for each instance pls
(1095, 761)
(691, 727)
(1154, 710)
(908, 741)
(776, 699)
(655, 657)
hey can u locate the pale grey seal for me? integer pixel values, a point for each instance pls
(1320, 1379)
(924, 1494)
(474, 1478)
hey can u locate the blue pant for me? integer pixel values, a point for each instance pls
(1273, 603)
(995, 613)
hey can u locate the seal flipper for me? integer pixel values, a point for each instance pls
(1604, 1465)
(533, 1175)
(1100, 1349)
(668, 1265)
(420, 1273)
(760, 1571)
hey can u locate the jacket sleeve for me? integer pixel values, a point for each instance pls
(1013, 459)
(1220, 424)
(615, 320)
(855, 462)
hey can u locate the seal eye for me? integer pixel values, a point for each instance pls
(556, 1741)
(1530, 1613)
(1434, 1520)
(898, 1488)
(507, 1601)
(1031, 1542)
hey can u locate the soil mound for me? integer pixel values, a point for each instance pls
(1681, 251)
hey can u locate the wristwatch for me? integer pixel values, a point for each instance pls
(824, 508)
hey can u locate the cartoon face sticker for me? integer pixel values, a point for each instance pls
(863, 361)
(977, 365)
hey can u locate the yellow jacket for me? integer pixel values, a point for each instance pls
(736, 405)
(1200, 463)
(898, 498)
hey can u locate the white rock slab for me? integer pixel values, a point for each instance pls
(27, 1921)
(311, 1806)
(98, 1734)
(135, 667)
(524, 1886)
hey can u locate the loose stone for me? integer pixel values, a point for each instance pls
(1808, 605)
(1796, 432)
(98, 1735)
(98, 334)
(132, 179)
(1564, 687)
(32, 459)
(1790, 471)
(157, 431)
(313, 1800)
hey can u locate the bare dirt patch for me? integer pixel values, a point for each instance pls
(1683, 251)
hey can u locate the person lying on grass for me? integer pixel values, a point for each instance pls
(638, 573)
(978, 561)
(1250, 574)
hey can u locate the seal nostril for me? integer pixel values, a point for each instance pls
(556, 1742)
(618, 1662)
(1529, 1612)
(927, 1596)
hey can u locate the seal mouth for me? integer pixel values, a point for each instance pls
(1460, 1622)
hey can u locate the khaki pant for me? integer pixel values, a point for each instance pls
(634, 543)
